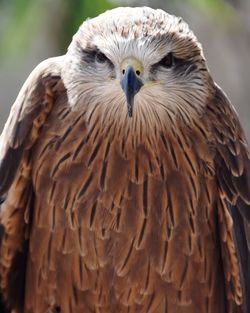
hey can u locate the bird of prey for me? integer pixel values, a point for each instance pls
(125, 178)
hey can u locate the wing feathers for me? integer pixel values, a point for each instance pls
(233, 175)
(26, 117)
(8, 167)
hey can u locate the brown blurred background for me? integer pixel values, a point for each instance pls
(32, 30)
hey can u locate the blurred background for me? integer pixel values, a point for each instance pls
(32, 30)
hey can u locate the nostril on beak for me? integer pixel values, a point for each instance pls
(138, 72)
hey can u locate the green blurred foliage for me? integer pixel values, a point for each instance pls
(20, 21)
(17, 18)
(76, 11)
(220, 10)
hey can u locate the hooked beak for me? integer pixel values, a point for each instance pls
(130, 84)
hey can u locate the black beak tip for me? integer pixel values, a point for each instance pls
(130, 112)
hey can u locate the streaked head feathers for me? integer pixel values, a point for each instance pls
(97, 53)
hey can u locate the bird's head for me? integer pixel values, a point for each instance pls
(137, 63)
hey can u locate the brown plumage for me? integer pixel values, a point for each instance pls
(109, 213)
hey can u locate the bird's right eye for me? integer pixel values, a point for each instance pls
(95, 55)
(101, 57)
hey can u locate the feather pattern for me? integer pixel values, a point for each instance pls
(104, 213)
(233, 175)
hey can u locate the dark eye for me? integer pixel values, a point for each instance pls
(167, 61)
(101, 57)
(95, 55)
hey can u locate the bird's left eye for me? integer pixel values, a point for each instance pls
(101, 57)
(167, 61)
